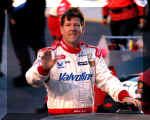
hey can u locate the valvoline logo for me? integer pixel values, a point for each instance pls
(71, 76)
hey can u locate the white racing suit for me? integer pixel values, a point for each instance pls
(70, 82)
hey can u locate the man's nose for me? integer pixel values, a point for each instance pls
(73, 27)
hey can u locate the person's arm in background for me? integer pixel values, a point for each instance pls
(141, 6)
(105, 14)
(11, 13)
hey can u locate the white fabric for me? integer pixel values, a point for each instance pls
(132, 86)
(78, 3)
(141, 3)
(51, 11)
(17, 3)
(103, 45)
(71, 79)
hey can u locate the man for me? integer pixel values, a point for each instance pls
(54, 16)
(69, 70)
(125, 16)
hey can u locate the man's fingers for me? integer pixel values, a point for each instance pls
(136, 102)
(47, 60)
(139, 105)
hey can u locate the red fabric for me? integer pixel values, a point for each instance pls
(146, 77)
(146, 107)
(141, 11)
(147, 111)
(42, 71)
(68, 48)
(98, 53)
(126, 14)
(104, 52)
(55, 44)
(99, 97)
(52, 47)
(141, 78)
(69, 111)
(63, 7)
(54, 26)
(112, 69)
(119, 3)
(123, 94)
(46, 99)
(108, 105)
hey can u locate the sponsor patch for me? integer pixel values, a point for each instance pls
(67, 62)
(98, 53)
(59, 57)
(60, 64)
(92, 63)
(83, 63)
(79, 77)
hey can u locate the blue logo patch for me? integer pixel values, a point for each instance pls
(80, 77)
(60, 64)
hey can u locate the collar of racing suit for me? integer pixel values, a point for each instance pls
(68, 48)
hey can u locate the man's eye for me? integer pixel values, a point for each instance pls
(77, 25)
(67, 25)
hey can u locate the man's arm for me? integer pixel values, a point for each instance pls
(111, 84)
(39, 72)
(105, 14)
(107, 82)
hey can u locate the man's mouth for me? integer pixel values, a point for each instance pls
(72, 34)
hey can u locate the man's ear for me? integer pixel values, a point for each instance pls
(83, 29)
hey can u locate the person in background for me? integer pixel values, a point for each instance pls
(53, 15)
(27, 26)
(146, 75)
(146, 34)
(125, 16)
(3, 9)
(69, 70)
(53, 23)
(2, 22)
(144, 88)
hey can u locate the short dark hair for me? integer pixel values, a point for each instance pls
(73, 12)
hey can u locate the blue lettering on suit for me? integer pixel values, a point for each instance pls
(80, 77)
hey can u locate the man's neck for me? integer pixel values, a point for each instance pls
(73, 44)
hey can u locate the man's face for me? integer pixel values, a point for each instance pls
(72, 30)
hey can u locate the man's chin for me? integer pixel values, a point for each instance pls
(74, 41)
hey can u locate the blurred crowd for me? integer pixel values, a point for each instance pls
(28, 19)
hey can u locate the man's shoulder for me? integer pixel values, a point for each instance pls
(83, 44)
(52, 47)
(91, 49)
(88, 46)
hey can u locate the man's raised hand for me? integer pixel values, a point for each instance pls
(46, 59)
